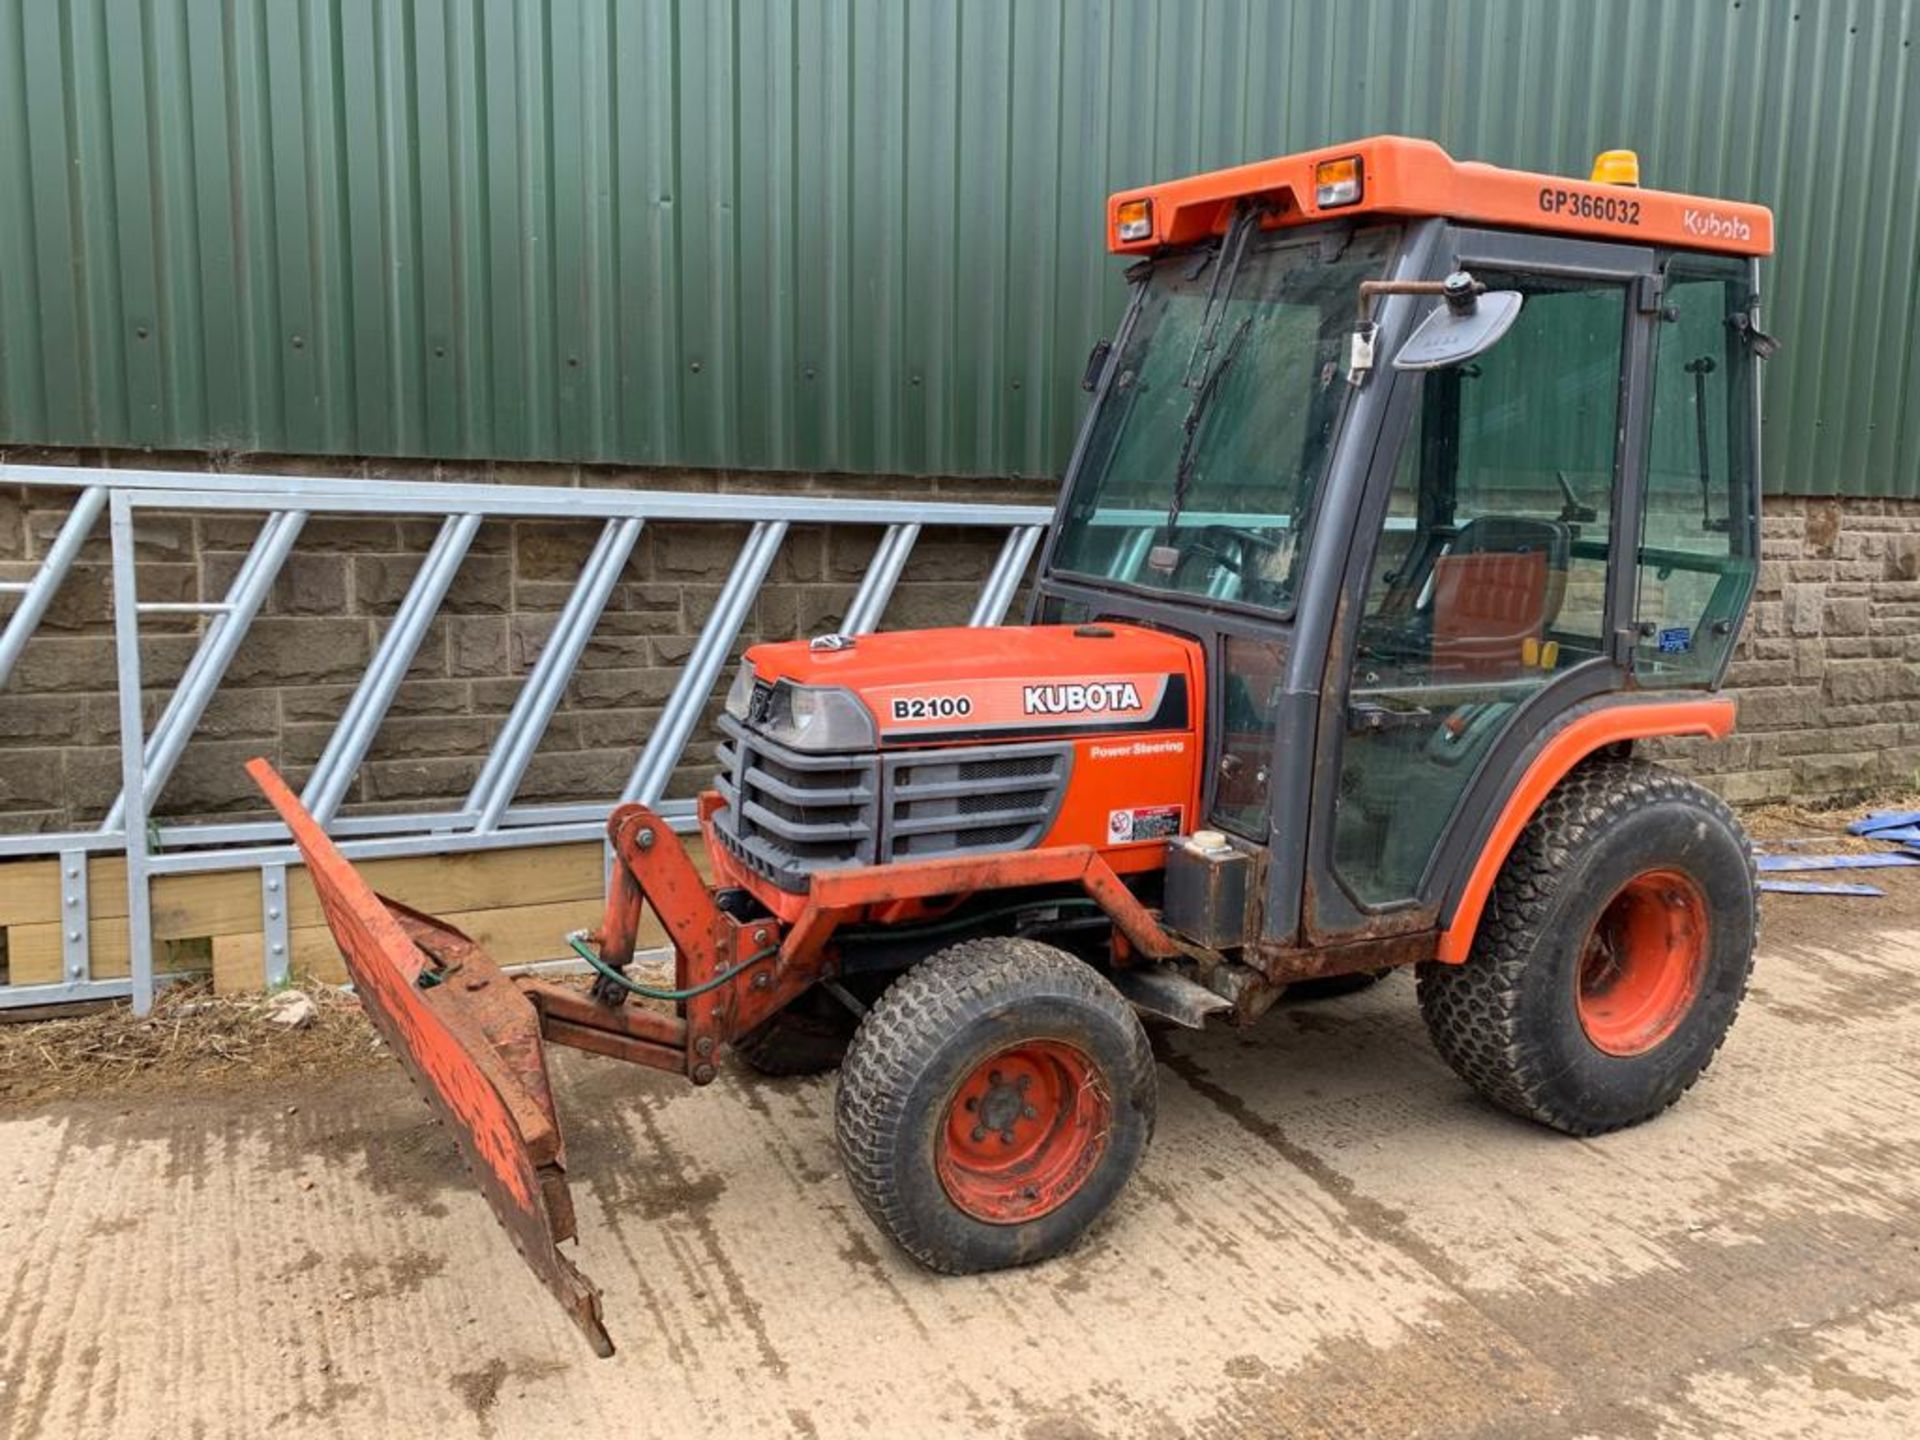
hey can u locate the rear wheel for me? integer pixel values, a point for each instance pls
(1612, 956)
(994, 1103)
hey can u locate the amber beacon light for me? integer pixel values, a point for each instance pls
(1616, 167)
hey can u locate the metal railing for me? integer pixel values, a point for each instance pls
(488, 818)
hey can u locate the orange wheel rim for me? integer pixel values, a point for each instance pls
(1643, 963)
(1023, 1131)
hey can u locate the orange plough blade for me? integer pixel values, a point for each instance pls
(471, 1040)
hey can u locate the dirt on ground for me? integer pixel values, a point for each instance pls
(193, 1040)
(226, 1233)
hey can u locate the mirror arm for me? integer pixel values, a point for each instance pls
(1459, 288)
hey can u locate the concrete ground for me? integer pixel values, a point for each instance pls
(1331, 1236)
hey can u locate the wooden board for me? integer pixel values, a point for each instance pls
(518, 903)
(30, 891)
(229, 903)
(239, 961)
(512, 935)
(34, 955)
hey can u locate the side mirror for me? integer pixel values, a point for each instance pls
(1459, 329)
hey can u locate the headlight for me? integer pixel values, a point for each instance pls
(740, 694)
(1134, 220)
(816, 718)
(1337, 182)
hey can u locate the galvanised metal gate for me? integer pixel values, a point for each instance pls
(488, 818)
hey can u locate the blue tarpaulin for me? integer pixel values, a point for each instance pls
(1905, 834)
(1813, 887)
(1875, 821)
(1835, 862)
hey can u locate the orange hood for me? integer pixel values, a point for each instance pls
(1007, 683)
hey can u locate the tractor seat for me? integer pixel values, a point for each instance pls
(1499, 584)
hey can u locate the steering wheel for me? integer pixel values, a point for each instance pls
(1214, 541)
(1232, 549)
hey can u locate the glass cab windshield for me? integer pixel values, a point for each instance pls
(1203, 464)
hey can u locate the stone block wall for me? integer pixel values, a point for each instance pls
(1828, 672)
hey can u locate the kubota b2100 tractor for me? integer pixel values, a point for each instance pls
(1413, 494)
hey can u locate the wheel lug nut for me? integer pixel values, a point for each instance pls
(993, 1077)
(1024, 1081)
(1006, 1136)
(973, 1102)
(979, 1132)
(1028, 1111)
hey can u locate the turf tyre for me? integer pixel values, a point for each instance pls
(936, 1026)
(1509, 1020)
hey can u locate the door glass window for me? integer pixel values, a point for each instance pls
(1250, 681)
(1489, 576)
(1698, 532)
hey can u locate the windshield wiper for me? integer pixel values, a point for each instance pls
(1226, 274)
(1226, 271)
(1165, 556)
(1699, 368)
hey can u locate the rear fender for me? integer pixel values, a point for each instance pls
(1711, 717)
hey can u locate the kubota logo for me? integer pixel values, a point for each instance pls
(1075, 698)
(1715, 227)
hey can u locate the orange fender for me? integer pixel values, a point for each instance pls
(1593, 731)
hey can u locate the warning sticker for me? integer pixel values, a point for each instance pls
(1143, 822)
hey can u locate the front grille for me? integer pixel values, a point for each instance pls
(789, 814)
(1000, 797)
(1030, 763)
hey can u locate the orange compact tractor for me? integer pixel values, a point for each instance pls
(1413, 494)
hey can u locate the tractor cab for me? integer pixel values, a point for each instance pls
(1413, 494)
(1426, 458)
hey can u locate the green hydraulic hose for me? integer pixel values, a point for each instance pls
(586, 952)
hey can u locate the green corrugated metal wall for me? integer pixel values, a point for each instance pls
(855, 235)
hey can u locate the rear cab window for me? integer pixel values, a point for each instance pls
(1699, 522)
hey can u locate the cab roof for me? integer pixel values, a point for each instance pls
(1401, 176)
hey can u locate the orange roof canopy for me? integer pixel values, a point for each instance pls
(1400, 176)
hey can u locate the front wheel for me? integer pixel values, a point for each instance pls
(1612, 957)
(994, 1103)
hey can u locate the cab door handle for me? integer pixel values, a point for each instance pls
(1370, 717)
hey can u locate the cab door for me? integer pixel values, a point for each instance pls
(1486, 590)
